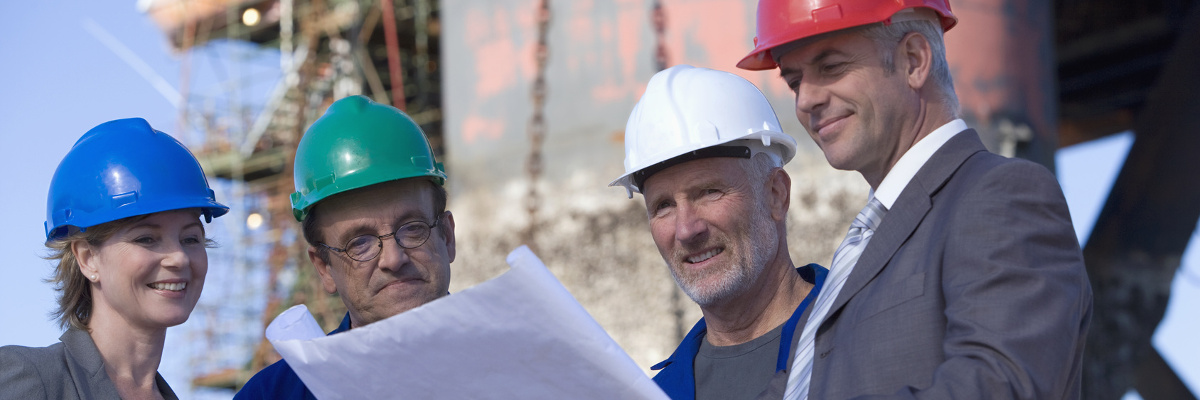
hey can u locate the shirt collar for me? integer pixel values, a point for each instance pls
(344, 326)
(912, 161)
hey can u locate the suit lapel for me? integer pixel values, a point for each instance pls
(908, 212)
(87, 366)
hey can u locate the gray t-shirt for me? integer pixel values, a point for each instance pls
(740, 371)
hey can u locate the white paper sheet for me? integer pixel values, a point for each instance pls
(520, 335)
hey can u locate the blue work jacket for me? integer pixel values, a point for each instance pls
(677, 377)
(279, 381)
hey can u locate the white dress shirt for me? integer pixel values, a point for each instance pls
(906, 168)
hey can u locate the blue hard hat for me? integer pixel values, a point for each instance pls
(121, 169)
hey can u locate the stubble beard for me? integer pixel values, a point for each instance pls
(739, 277)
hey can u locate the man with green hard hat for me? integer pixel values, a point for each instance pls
(370, 199)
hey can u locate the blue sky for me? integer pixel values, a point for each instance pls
(60, 80)
(1086, 172)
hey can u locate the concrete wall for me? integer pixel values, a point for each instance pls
(593, 238)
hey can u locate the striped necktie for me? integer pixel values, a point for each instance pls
(844, 258)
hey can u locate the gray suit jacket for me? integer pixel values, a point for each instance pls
(973, 287)
(70, 369)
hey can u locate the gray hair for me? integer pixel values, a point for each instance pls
(886, 36)
(757, 169)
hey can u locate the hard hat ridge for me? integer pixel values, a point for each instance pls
(355, 144)
(780, 22)
(124, 168)
(689, 113)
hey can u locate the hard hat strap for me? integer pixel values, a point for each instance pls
(640, 177)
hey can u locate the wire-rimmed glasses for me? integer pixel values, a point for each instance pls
(364, 248)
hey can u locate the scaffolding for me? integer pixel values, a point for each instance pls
(328, 49)
(1110, 61)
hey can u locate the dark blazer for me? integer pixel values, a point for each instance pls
(70, 369)
(972, 287)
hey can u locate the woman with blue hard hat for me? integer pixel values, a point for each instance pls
(123, 223)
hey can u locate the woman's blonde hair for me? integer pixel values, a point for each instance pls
(74, 289)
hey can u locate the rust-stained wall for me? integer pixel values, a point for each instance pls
(1002, 58)
(601, 56)
(594, 239)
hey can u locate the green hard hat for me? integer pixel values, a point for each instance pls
(359, 143)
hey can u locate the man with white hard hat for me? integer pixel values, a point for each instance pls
(962, 277)
(706, 152)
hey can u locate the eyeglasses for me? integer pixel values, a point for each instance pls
(366, 247)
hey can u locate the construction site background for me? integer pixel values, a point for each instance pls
(526, 102)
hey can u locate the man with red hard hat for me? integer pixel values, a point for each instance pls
(962, 277)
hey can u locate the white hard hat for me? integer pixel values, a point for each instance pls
(688, 113)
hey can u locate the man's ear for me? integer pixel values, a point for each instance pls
(85, 258)
(447, 226)
(322, 267)
(915, 59)
(779, 192)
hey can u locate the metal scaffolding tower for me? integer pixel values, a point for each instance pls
(329, 49)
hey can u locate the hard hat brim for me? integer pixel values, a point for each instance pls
(786, 147)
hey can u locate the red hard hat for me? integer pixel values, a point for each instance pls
(784, 21)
